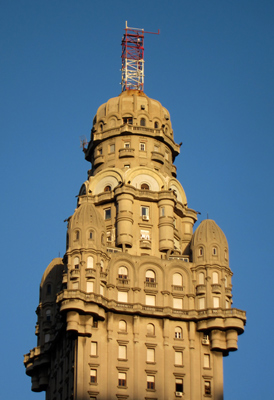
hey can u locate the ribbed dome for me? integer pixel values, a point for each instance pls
(86, 223)
(131, 103)
(209, 242)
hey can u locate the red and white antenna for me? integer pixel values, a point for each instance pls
(133, 58)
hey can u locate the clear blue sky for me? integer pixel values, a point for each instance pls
(212, 68)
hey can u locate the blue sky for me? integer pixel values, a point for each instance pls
(212, 68)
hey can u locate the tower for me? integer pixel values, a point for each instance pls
(139, 307)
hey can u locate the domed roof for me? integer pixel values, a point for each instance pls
(211, 239)
(86, 214)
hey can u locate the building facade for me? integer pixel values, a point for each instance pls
(139, 307)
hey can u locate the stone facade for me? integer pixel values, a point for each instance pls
(139, 307)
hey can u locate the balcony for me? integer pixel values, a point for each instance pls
(103, 276)
(74, 273)
(98, 160)
(122, 282)
(174, 171)
(228, 292)
(200, 289)
(151, 285)
(216, 288)
(126, 152)
(156, 156)
(145, 244)
(90, 272)
(177, 288)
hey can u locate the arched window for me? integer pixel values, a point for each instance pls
(150, 276)
(48, 315)
(76, 262)
(90, 262)
(214, 251)
(150, 329)
(200, 252)
(215, 277)
(122, 273)
(143, 122)
(48, 288)
(178, 333)
(156, 125)
(107, 188)
(77, 235)
(201, 278)
(144, 186)
(177, 279)
(122, 326)
(90, 235)
(101, 127)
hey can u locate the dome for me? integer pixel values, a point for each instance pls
(133, 104)
(209, 243)
(86, 227)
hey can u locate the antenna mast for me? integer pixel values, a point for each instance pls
(133, 58)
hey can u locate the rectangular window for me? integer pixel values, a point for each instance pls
(201, 303)
(122, 379)
(216, 302)
(208, 387)
(122, 352)
(206, 361)
(102, 290)
(93, 349)
(150, 382)
(145, 235)
(162, 211)
(107, 213)
(179, 385)
(178, 358)
(93, 376)
(177, 303)
(112, 148)
(126, 166)
(89, 286)
(150, 355)
(150, 300)
(122, 297)
(127, 145)
(142, 146)
(145, 212)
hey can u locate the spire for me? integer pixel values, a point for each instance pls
(133, 58)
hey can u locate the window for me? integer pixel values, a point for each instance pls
(127, 120)
(122, 273)
(127, 145)
(227, 303)
(107, 188)
(77, 235)
(102, 265)
(150, 330)
(206, 361)
(95, 323)
(100, 151)
(215, 277)
(216, 302)
(93, 349)
(48, 315)
(166, 155)
(89, 286)
(76, 262)
(144, 186)
(162, 211)
(150, 382)
(201, 278)
(145, 235)
(122, 352)
(150, 276)
(122, 379)
(48, 288)
(200, 251)
(47, 337)
(143, 122)
(122, 326)
(208, 387)
(102, 290)
(126, 166)
(156, 125)
(107, 213)
(178, 332)
(177, 303)
(177, 279)
(214, 251)
(151, 355)
(142, 146)
(150, 300)
(178, 358)
(109, 236)
(122, 297)
(90, 234)
(145, 212)
(225, 281)
(112, 148)
(90, 262)
(93, 376)
(101, 127)
(179, 385)
(201, 303)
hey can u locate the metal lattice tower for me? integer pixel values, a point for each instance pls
(133, 58)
